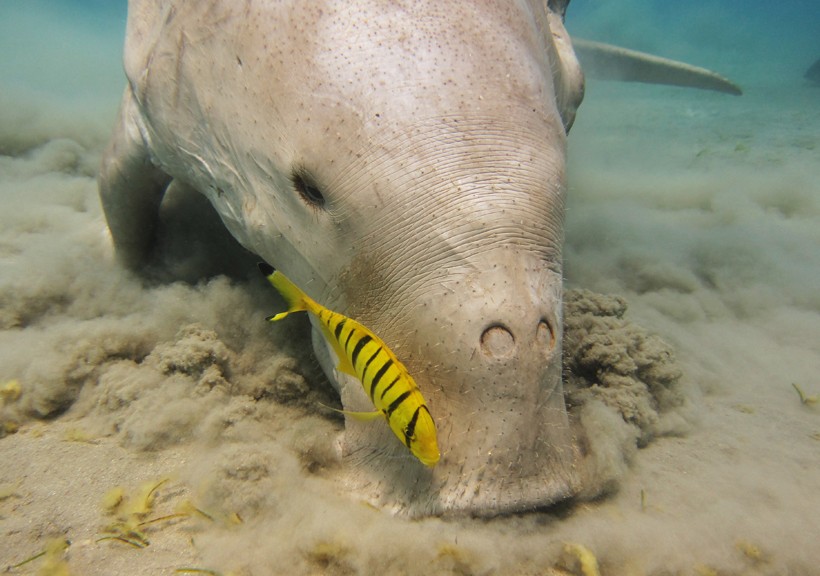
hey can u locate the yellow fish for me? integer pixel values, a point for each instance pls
(364, 355)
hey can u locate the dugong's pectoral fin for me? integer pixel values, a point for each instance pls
(607, 62)
(131, 188)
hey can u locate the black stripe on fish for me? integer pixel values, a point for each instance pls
(411, 426)
(358, 348)
(397, 402)
(349, 336)
(338, 330)
(389, 386)
(378, 376)
(369, 360)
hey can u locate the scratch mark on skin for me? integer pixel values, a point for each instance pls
(183, 40)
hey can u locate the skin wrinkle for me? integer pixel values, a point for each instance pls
(460, 131)
(505, 153)
(454, 256)
(435, 204)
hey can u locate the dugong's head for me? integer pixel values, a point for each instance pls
(404, 164)
(424, 152)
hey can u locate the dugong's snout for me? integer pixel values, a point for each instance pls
(484, 347)
(506, 441)
(498, 341)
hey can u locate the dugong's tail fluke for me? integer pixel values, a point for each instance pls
(609, 62)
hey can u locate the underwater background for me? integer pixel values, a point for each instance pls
(122, 403)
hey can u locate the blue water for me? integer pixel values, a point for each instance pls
(753, 40)
(701, 209)
(74, 47)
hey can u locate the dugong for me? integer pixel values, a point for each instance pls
(403, 163)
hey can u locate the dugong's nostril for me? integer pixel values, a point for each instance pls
(497, 341)
(544, 335)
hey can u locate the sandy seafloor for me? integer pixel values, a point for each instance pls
(701, 210)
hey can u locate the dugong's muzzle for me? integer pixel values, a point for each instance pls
(484, 346)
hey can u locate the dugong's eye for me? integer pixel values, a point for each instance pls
(307, 188)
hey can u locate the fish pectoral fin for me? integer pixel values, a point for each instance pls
(361, 416)
(276, 317)
(344, 366)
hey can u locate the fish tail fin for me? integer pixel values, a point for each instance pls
(296, 300)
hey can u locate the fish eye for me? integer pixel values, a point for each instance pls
(307, 188)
